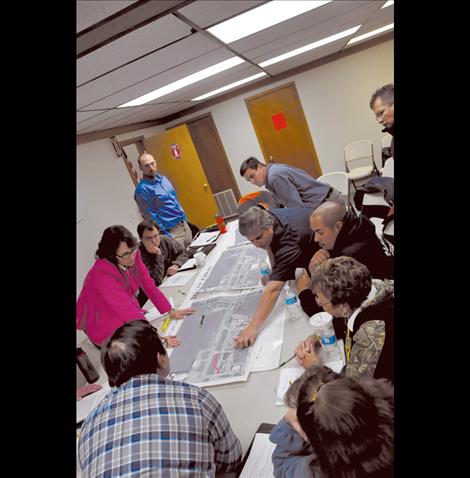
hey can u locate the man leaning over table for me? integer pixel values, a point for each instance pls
(286, 235)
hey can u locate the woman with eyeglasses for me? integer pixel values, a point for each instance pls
(109, 294)
(362, 310)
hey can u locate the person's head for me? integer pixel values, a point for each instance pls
(326, 222)
(148, 165)
(253, 171)
(256, 225)
(133, 349)
(340, 285)
(118, 246)
(382, 104)
(149, 233)
(349, 423)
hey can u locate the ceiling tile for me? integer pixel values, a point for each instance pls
(90, 13)
(129, 47)
(208, 13)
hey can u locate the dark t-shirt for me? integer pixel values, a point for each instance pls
(292, 245)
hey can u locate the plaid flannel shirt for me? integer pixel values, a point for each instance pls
(151, 426)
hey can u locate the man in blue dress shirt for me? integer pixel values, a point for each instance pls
(156, 198)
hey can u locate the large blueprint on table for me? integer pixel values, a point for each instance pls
(237, 268)
(207, 354)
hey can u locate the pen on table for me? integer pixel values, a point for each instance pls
(202, 320)
(166, 323)
(288, 360)
(181, 292)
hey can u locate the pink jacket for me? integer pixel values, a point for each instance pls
(108, 298)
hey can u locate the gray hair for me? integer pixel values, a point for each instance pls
(385, 94)
(253, 220)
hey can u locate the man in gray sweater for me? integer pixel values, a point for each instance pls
(161, 254)
(291, 186)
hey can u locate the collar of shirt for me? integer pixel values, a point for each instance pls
(372, 294)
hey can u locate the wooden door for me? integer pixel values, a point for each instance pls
(212, 154)
(185, 173)
(281, 128)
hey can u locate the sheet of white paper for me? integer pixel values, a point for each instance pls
(268, 345)
(259, 463)
(286, 378)
(205, 238)
(181, 278)
(189, 263)
(87, 404)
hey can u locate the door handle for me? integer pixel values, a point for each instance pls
(205, 186)
(270, 159)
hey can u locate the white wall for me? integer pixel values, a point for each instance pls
(335, 98)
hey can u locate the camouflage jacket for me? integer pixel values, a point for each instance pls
(369, 336)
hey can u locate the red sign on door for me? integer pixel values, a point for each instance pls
(175, 151)
(279, 121)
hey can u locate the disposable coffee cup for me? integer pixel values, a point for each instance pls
(322, 323)
(200, 258)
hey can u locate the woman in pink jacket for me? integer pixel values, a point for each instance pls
(109, 295)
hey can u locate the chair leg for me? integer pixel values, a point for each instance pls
(353, 184)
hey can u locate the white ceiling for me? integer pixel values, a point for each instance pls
(128, 48)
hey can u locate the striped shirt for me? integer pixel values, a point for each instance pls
(151, 426)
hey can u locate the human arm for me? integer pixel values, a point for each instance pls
(227, 448)
(153, 292)
(305, 352)
(87, 389)
(318, 258)
(267, 301)
(175, 254)
(292, 454)
(366, 349)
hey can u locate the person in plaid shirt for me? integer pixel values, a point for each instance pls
(148, 425)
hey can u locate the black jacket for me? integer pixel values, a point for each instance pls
(356, 239)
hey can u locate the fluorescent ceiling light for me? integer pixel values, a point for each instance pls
(387, 4)
(228, 87)
(187, 80)
(262, 17)
(372, 33)
(310, 46)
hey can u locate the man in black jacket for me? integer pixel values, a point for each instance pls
(339, 232)
(161, 254)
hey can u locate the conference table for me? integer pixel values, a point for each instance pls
(248, 404)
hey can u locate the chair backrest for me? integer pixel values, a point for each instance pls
(359, 153)
(338, 180)
(388, 169)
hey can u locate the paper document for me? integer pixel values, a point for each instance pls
(205, 238)
(87, 404)
(259, 463)
(181, 278)
(287, 377)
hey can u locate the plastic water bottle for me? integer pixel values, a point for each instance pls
(293, 308)
(323, 327)
(264, 270)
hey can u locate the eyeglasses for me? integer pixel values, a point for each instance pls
(321, 304)
(128, 253)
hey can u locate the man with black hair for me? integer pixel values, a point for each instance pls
(150, 425)
(161, 254)
(382, 104)
(291, 186)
